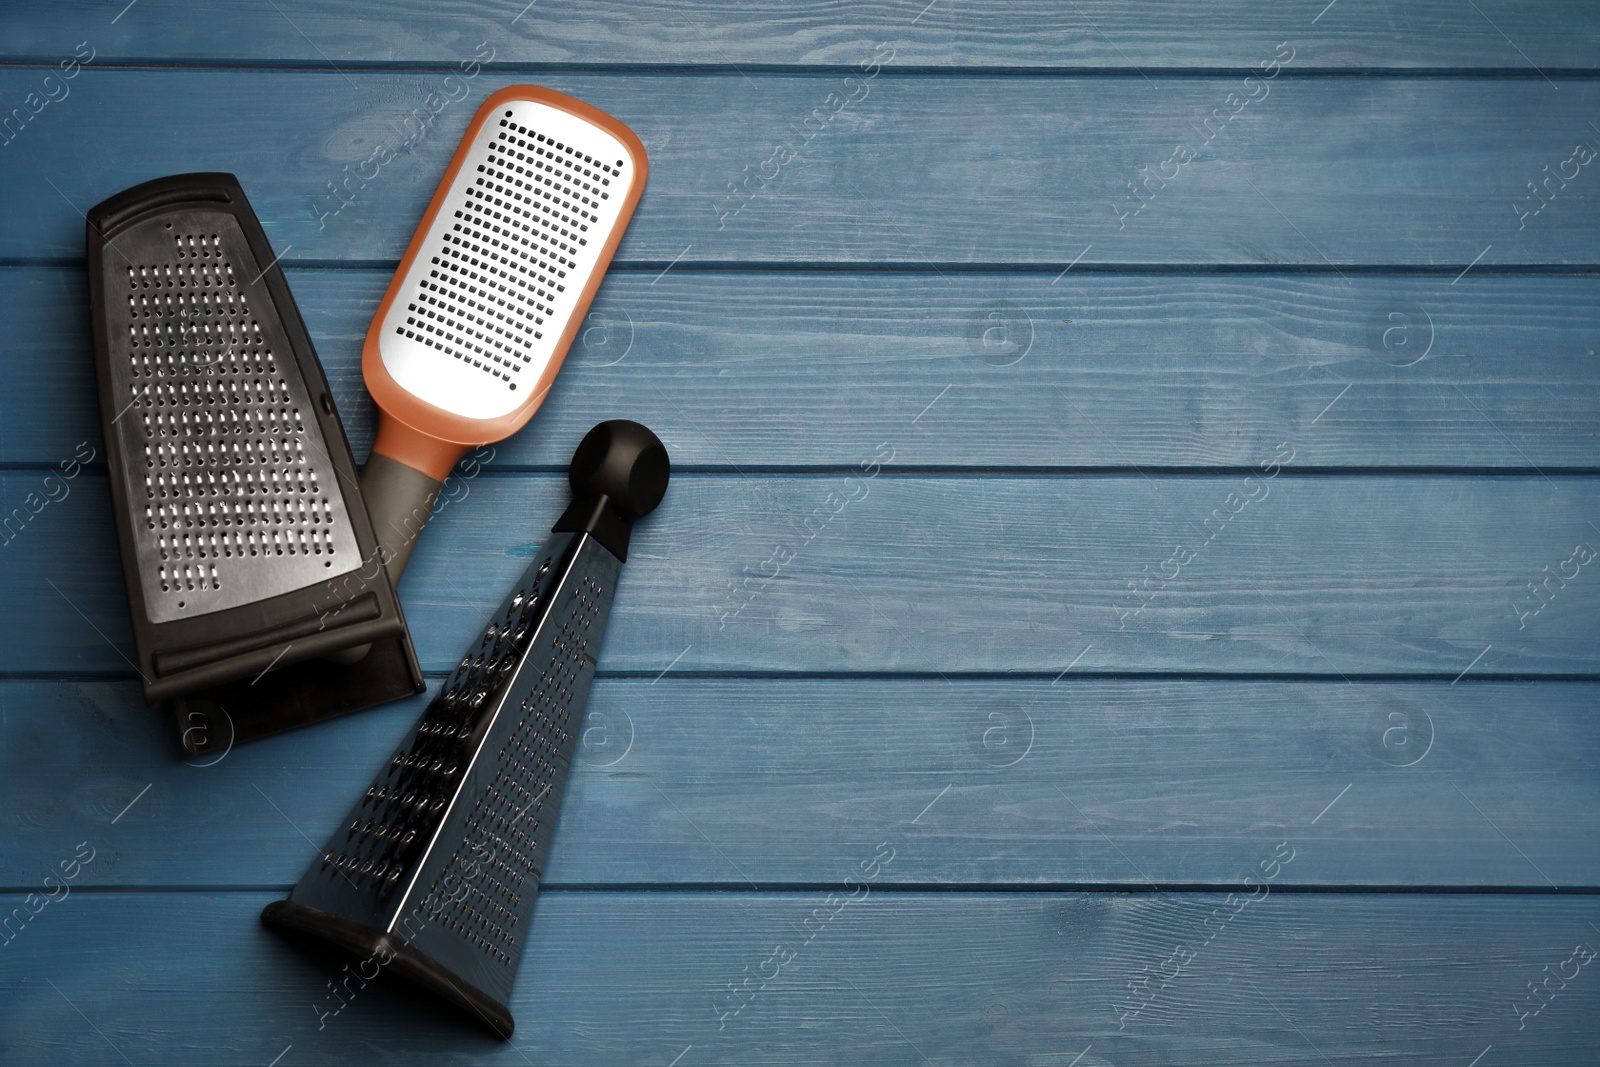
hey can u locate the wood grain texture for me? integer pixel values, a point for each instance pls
(1087, 34)
(1325, 575)
(725, 782)
(895, 978)
(1014, 371)
(1318, 173)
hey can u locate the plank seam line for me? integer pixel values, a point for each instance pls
(1047, 675)
(969, 269)
(900, 72)
(910, 472)
(931, 889)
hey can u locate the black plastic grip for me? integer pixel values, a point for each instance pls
(618, 475)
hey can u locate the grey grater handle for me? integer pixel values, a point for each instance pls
(399, 500)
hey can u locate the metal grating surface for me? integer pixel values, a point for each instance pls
(479, 893)
(225, 469)
(397, 817)
(500, 272)
(447, 848)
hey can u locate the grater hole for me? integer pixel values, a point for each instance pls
(515, 235)
(223, 446)
(500, 830)
(478, 900)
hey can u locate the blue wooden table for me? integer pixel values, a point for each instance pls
(1178, 424)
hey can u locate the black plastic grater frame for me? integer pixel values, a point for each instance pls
(246, 548)
(433, 873)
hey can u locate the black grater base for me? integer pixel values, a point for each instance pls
(359, 943)
(247, 552)
(214, 719)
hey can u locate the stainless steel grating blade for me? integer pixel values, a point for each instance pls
(515, 238)
(235, 490)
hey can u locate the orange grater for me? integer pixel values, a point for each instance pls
(490, 293)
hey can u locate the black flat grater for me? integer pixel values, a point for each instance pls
(246, 548)
(433, 873)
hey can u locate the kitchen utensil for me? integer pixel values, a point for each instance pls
(433, 873)
(478, 318)
(246, 549)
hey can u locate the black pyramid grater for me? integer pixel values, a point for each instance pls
(433, 874)
(247, 552)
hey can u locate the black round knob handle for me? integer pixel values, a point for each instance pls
(624, 462)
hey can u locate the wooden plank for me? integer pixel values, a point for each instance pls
(771, 371)
(893, 978)
(1091, 34)
(1331, 576)
(724, 782)
(918, 170)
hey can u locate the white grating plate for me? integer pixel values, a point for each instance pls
(498, 276)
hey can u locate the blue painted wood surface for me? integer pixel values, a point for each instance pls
(1099, 372)
(1302, 177)
(897, 978)
(1337, 576)
(712, 780)
(1168, 35)
(990, 655)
